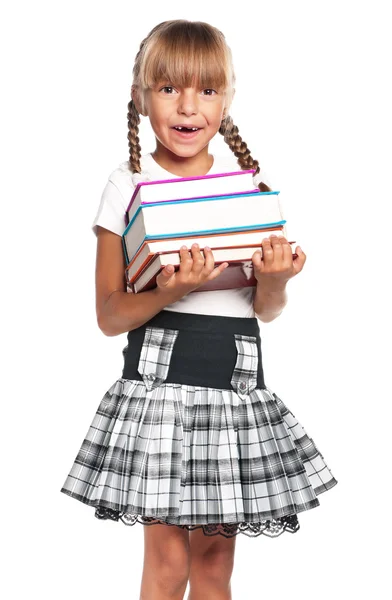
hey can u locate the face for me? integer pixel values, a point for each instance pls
(184, 120)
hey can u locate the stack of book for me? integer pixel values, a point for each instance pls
(223, 211)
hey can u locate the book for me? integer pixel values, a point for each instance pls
(239, 273)
(151, 247)
(217, 184)
(201, 216)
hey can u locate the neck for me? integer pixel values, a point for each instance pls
(188, 166)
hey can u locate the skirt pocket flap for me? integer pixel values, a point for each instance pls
(244, 378)
(155, 355)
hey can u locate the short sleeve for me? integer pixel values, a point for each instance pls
(111, 210)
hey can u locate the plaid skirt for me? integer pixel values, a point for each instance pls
(190, 435)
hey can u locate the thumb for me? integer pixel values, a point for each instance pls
(300, 253)
(165, 275)
(257, 259)
(299, 262)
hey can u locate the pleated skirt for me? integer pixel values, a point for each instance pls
(190, 435)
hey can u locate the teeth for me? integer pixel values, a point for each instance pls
(192, 128)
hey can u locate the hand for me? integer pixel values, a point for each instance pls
(194, 271)
(277, 265)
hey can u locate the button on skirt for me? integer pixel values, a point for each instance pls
(190, 435)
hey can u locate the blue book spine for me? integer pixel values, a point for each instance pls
(125, 249)
(187, 201)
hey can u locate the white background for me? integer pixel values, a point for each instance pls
(313, 103)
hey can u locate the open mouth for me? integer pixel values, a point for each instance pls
(186, 129)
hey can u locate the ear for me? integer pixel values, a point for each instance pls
(137, 101)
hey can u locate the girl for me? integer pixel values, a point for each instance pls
(189, 439)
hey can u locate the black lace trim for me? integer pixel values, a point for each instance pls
(269, 527)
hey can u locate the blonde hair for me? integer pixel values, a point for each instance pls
(186, 52)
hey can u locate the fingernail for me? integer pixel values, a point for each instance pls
(207, 248)
(183, 247)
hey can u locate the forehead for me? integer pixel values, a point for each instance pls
(186, 67)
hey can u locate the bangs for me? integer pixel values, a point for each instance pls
(186, 54)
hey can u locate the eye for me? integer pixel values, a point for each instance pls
(210, 91)
(169, 89)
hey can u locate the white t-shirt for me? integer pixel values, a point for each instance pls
(114, 202)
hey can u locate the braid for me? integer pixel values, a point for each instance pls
(240, 149)
(133, 114)
(133, 139)
(134, 118)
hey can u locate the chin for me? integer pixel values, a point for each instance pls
(191, 149)
(185, 152)
(188, 152)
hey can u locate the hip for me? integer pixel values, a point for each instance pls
(197, 350)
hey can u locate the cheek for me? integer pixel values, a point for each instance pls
(216, 121)
(215, 114)
(155, 121)
(159, 117)
(159, 129)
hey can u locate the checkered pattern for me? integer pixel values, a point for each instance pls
(195, 456)
(155, 355)
(244, 379)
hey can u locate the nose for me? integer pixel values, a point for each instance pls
(187, 104)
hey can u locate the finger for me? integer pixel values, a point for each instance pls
(287, 254)
(186, 261)
(198, 259)
(281, 238)
(277, 248)
(217, 271)
(165, 276)
(299, 262)
(258, 261)
(268, 253)
(299, 251)
(209, 260)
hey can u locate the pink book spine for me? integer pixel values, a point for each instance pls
(213, 176)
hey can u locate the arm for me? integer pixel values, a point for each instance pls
(272, 273)
(269, 302)
(117, 310)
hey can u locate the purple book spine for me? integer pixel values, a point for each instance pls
(177, 179)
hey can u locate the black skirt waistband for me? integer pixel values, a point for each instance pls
(204, 323)
(205, 351)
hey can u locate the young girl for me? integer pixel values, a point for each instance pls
(190, 439)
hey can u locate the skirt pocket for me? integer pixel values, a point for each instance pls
(244, 377)
(155, 355)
